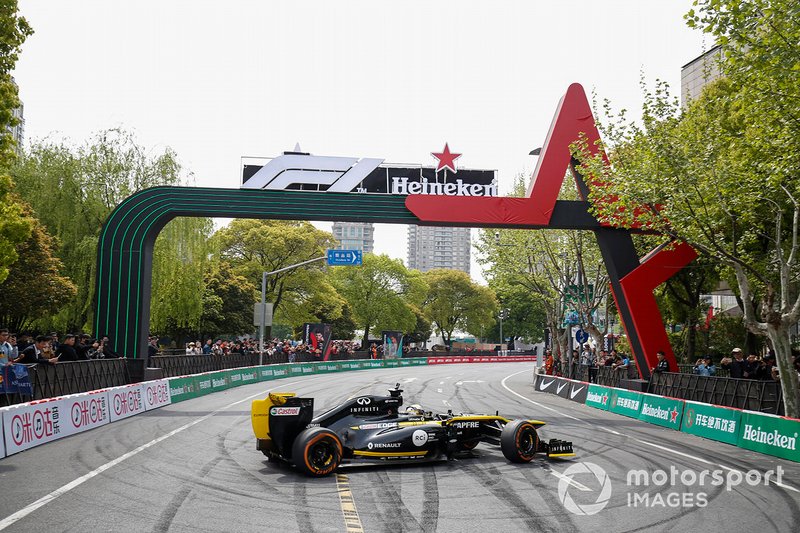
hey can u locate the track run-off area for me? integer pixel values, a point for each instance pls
(192, 466)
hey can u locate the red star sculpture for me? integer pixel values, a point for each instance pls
(446, 159)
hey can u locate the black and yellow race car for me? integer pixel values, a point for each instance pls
(375, 428)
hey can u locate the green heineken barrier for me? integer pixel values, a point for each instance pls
(234, 377)
(183, 388)
(249, 375)
(711, 422)
(219, 381)
(661, 411)
(598, 397)
(391, 363)
(770, 434)
(624, 402)
(203, 383)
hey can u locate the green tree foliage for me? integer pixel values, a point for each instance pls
(546, 264)
(422, 330)
(227, 303)
(14, 226)
(72, 190)
(256, 246)
(455, 302)
(381, 293)
(34, 286)
(342, 328)
(14, 29)
(527, 317)
(179, 262)
(722, 174)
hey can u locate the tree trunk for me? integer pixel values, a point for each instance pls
(691, 340)
(779, 335)
(365, 344)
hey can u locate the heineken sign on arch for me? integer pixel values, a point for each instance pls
(302, 171)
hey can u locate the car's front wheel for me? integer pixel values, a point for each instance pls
(317, 451)
(519, 441)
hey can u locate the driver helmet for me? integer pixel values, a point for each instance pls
(414, 409)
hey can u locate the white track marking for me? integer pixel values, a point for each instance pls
(441, 383)
(446, 403)
(579, 486)
(25, 511)
(439, 390)
(660, 447)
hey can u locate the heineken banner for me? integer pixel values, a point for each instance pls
(711, 422)
(770, 434)
(392, 344)
(624, 402)
(183, 388)
(661, 411)
(598, 397)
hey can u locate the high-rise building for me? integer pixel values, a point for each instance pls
(354, 236)
(431, 247)
(18, 131)
(698, 72)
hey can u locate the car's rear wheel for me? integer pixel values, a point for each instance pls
(317, 451)
(519, 441)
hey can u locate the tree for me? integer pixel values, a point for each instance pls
(72, 190)
(455, 302)
(342, 328)
(381, 293)
(722, 174)
(526, 315)
(15, 227)
(179, 264)
(256, 246)
(561, 270)
(15, 30)
(34, 286)
(228, 301)
(422, 329)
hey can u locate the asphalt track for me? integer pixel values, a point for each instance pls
(192, 466)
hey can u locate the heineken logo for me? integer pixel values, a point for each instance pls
(457, 188)
(655, 411)
(597, 398)
(771, 438)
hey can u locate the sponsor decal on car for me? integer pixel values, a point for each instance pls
(372, 445)
(472, 424)
(284, 411)
(419, 437)
(379, 425)
(364, 400)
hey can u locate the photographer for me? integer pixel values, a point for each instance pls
(705, 367)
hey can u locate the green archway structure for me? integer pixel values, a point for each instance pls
(125, 249)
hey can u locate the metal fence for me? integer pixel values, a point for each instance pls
(763, 396)
(71, 378)
(689, 369)
(604, 375)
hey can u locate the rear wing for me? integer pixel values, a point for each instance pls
(278, 419)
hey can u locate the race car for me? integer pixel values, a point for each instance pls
(373, 429)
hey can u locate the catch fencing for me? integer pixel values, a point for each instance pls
(753, 395)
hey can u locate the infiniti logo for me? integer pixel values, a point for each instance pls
(363, 401)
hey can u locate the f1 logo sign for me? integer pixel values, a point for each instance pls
(340, 174)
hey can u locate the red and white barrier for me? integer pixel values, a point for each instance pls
(481, 359)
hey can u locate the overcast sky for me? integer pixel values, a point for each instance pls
(395, 80)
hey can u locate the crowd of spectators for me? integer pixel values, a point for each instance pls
(754, 366)
(591, 359)
(275, 347)
(52, 349)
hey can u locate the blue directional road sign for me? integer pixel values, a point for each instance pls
(581, 336)
(344, 257)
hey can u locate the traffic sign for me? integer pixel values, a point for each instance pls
(581, 336)
(262, 312)
(344, 257)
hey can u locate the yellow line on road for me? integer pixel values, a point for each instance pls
(352, 521)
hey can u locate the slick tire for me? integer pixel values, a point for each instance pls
(317, 451)
(519, 441)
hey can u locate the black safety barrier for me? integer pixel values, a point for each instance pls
(753, 395)
(565, 388)
(71, 377)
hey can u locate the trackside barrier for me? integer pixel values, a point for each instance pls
(760, 432)
(30, 424)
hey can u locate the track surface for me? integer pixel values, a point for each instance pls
(209, 477)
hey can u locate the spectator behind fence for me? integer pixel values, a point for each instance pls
(663, 364)
(736, 366)
(66, 350)
(5, 348)
(34, 353)
(82, 347)
(705, 367)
